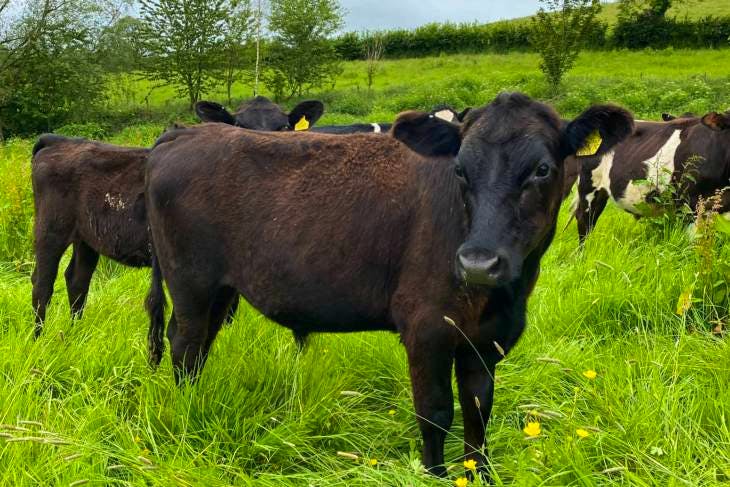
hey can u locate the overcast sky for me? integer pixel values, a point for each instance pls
(385, 14)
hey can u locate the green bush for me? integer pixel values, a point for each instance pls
(88, 130)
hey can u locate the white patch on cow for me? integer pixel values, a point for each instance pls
(376, 128)
(660, 168)
(445, 114)
(600, 177)
(115, 202)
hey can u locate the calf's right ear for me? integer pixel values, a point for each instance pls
(209, 111)
(597, 130)
(426, 134)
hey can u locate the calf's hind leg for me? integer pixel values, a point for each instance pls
(588, 212)
(78, 276)
(197, 320)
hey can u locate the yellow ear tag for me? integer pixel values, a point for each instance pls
(593, 143)
(302, 124)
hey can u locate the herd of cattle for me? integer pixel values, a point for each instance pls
(432, 226)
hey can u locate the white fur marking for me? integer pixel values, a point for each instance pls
(445, 114)
(115, 202)
(376, 128)
(659, 175)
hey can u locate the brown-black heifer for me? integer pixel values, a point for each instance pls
(690, 153)
(89, 195)
(351, 233)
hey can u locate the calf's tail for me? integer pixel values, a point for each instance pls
(155, 305)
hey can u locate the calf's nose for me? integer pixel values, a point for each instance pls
(484, 268)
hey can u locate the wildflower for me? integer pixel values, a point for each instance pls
(590, 374)
(532, 429)
(145, 452)
(582, 433)
(137, 439)
(373, 462)
(461, 482)
(470, 465)
(392, 412)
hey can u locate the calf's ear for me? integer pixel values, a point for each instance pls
(306, 114)
(426, 134)
(597, 130)
(462, 115)
(667, 117)
(209, 111)
(716, 121)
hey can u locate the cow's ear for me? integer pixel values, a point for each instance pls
(716, 121)
(462, 115)
(305, 114)
(667, 117)
(426, 134)
(597, 130)
(209, 111)
(445, 112)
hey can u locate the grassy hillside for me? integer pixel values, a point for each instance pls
(81, 406)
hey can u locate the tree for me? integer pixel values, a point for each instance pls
(117, 48)
(238, 29)
(643, 23)
(301, 55)
(181, 43)
(559, 32)
(48, 72)
(373, 53)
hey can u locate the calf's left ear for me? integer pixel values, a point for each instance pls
(716, 121)
(426, 134)
(597, 130)
(306, 114)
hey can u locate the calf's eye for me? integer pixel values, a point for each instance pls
(542, 171)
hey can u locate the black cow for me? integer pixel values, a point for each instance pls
(691, 153)
(260, 113)
(326, 233)
(443, 112)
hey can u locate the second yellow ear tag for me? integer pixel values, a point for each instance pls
(593, 143)
(302, 124)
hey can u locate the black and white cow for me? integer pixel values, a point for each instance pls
(692, 153)
(442, 112)
(260, 113)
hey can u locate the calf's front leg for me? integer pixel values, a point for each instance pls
(430, 363)
(475, 378)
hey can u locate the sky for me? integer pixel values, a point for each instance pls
(384, 14)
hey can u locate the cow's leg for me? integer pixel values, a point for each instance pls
(300, 337)
(197, 319)
(49, 249)
(430, 363)
(475, 377)
(588, 211)
(78, 276)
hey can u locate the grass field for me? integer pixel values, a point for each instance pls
(81, 404)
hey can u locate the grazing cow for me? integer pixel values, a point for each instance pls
(260, 113)
(691, 153)
(442, 112)
(668, 117)
(89, 195)
(326, 233)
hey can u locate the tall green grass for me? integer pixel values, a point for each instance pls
(80, 404)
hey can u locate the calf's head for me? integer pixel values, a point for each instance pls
(260, 113)
(508, 159)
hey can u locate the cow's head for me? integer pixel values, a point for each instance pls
(260, 113)
(508, 158)
(668, 117)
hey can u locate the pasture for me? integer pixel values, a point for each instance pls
(81, 404)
